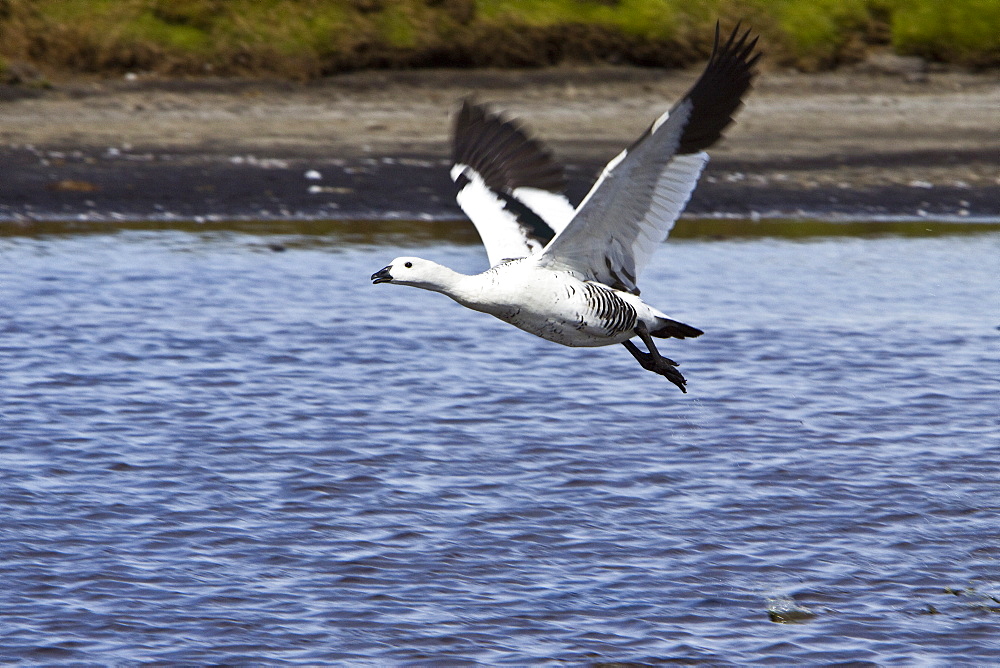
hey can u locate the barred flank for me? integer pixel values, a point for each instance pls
(614, 313)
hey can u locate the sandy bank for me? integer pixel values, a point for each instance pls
(841, 143)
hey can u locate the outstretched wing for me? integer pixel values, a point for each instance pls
(634, 204)
(508, 184)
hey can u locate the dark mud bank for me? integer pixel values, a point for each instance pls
(114, 184)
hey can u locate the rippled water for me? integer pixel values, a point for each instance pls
(213, 452)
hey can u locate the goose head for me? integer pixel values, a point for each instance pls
(417, 272)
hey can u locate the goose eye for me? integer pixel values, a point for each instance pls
(408, 265)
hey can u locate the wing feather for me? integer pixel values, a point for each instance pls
(642, 191)
(508, 184)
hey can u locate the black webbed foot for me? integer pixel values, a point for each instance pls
(653, 360)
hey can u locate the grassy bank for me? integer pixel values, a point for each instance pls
(305, 39)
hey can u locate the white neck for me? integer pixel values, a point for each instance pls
(439, 278)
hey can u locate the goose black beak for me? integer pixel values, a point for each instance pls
(382, 275)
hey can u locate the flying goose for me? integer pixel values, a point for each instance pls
(569, 274)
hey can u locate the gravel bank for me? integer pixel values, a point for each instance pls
(371, 145)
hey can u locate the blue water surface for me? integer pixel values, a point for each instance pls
(211, 452)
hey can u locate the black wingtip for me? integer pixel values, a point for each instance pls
(718, 93)
(502, 152)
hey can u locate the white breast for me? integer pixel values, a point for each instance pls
(555, 305)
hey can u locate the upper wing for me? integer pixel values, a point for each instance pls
(634, 204)
(508, 184)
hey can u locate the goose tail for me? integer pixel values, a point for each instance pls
(666, 328)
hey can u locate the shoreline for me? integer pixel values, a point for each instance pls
(841, 145)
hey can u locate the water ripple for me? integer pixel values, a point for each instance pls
(213, 454)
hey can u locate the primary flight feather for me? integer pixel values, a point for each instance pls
(569, 274)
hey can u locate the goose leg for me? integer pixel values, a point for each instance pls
(653, 360)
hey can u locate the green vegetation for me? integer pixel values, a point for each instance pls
(416, 232)
(651, 19)
(305, 39)
(962, 32)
